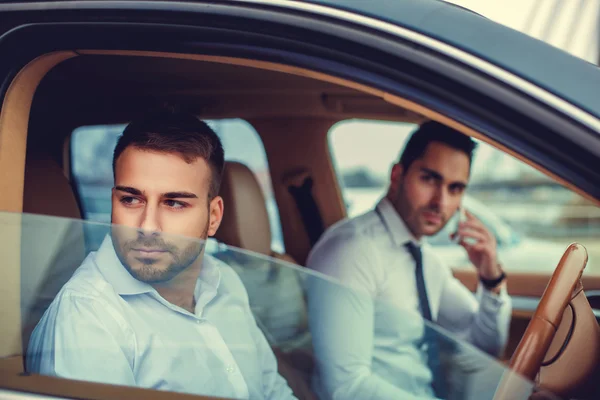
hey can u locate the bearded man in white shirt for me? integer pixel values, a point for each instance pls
(149, 308)
(371, 342)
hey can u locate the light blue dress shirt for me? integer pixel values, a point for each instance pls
(368, 341)
(106, 326)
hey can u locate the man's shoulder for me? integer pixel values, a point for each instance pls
(364, 226)
(87, 282)
(349, 246)
(230, 281)
(353, 233)
(87, 295)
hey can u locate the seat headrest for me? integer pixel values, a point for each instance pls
(245, 221)
(47, 190)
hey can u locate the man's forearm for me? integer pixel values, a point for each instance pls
(489, 331)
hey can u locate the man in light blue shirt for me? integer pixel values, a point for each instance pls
(370, 342)
(149, 308)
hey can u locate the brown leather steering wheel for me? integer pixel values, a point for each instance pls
(529, 355)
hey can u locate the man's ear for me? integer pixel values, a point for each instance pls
(216, 208)
(396, 177)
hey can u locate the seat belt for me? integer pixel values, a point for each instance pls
(300, 186)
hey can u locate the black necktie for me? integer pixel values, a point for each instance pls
(415, 252)
(429, 336)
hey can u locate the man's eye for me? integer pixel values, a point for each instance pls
(129, 201)
(426, 178)
(175, 204)
(456, 189)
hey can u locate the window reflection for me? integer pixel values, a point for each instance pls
(52, 249)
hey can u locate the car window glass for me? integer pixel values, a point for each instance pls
(91, 166)
(93, 334)
(532, 217)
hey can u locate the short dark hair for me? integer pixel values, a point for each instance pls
(432, 131)
(169, 131)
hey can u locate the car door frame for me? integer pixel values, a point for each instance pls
(403, 63)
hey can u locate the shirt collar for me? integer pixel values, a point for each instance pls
(124, 284)
(394, 224)
(208, 282)
(115, 273)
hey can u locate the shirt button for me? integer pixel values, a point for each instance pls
(198, 322)
(230, 369)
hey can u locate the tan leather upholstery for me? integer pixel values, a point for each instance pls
(245, 221)
(561, 346)
(539, 335)
(51, 248)
(528, 284)
(14, 122)
(574, 354)
(47, 190)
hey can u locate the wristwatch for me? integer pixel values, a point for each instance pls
(492, 283)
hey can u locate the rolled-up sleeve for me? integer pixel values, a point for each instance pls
(482, 318)
(80, 338)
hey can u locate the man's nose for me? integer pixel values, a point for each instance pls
(440, 199)
(150, 221)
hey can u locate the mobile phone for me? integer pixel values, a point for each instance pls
(462, 217)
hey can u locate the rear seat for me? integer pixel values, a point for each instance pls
(274, 288)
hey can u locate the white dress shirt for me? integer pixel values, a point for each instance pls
(106, 326)
(366, 340)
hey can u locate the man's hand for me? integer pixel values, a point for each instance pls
(480, 245)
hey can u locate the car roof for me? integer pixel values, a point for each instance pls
(548, 67)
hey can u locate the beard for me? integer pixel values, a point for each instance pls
(167, 261)
(411, 215)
